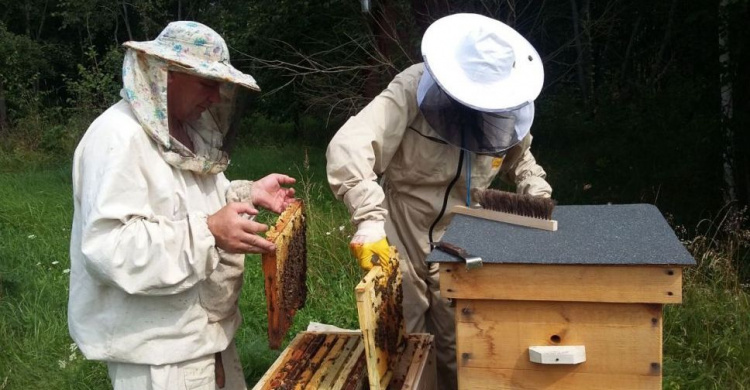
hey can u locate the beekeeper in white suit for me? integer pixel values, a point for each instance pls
(439, 130)
(159, 233)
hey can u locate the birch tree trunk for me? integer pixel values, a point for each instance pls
(725, 83)
(3, 110)
(383, 35)
(125, 18)
(580, 64)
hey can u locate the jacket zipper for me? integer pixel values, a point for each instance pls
(445, 197)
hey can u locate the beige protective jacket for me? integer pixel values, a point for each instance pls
(391, 139)
(148, 285)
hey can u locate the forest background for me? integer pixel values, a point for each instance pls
(643, 102)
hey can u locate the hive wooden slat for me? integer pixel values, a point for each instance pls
(320, 364)
(342, 351)
(356, 357)
(549, 282)
(421, 371)
(295, 369)
(320, 355)
(273, 376)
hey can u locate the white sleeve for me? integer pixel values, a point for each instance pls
(520, 168)
(362, 149)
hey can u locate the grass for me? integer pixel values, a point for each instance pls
(706, 339)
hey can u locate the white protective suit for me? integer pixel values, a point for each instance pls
(148, 286)
(419, 172)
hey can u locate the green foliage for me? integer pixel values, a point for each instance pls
(98, 83)
(22, 64)
(629, 112)
(39, 140)
(258, 129)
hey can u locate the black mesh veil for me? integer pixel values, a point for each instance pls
(491, 133)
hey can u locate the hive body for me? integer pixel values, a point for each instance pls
(378, 356)
(598, 284)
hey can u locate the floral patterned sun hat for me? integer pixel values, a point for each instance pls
(196, 49)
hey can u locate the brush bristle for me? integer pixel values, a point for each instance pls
(508, 202)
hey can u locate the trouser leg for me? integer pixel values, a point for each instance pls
(126, 376)
(424, 309)
(195, 374)
(235, 377)
(415, 300)
(442, 324)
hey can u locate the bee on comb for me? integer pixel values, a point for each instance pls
(285, 271)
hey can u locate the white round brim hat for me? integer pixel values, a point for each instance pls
(482, 63)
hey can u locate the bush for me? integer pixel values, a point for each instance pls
(258, 129)
(98, 83)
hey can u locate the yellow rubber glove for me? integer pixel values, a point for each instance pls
(369, 244)
(367, 252)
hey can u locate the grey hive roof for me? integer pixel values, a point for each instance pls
(630, 234)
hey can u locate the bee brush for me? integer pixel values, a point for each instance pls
(508, 207)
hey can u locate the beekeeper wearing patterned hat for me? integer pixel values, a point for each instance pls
(439, 130)
(159, 233)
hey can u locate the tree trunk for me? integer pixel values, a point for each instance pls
(43, 16)
(27, 12)
(424, 12)
(379, 25)
(587, 53)
(512, 17)
(725, 83)
(125, 18)
(629, 50)
(3, 109)
(658, 71)
(581, 55)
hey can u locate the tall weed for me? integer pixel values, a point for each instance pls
(707, 338)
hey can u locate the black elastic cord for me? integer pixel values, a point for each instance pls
(438, 140)
(445, 198)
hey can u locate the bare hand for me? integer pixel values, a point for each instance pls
(270, 194)
(236, 234)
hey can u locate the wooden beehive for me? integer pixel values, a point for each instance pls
(337, 360)
(285, 271)
(317, 361)
(379, 356)
(593, 290)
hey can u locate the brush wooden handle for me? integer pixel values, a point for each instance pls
(520, 220)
